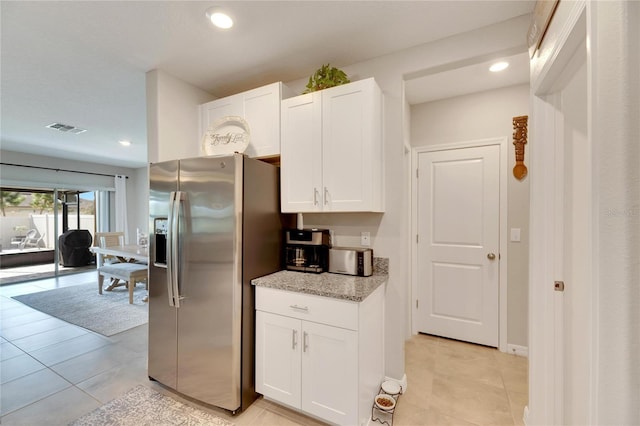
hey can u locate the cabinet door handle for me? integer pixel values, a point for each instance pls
(300, 308)
(315, 196)
(305, 341)
(294, 340)
(326, 196)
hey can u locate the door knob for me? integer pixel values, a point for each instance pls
(491, 256)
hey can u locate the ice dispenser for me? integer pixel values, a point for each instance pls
(160, 232)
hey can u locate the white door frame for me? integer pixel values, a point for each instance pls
(502, 143)
(546, 350)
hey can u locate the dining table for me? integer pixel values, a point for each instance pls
(125, 253)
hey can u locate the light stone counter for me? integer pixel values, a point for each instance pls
(326, 284)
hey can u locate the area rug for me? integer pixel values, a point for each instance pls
(144, 406)
(108, 314)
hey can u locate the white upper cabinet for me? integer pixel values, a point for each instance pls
(301, 153)
(332, 150)
(260, 108)
(212, 111)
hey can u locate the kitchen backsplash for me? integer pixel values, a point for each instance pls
(381, 265)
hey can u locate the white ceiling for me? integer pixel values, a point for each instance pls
(83, 63)
(467, 79)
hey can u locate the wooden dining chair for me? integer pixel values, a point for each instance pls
(109, 239)
(112, 268)
(106, 239)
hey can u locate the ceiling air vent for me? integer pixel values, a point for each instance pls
(65, 128)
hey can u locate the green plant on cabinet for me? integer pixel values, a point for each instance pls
(326, 76)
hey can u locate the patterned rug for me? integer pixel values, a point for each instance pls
(108, 313)
(143, 406)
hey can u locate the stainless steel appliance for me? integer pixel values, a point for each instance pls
(351, 261)
(306, 250)
(215, 226)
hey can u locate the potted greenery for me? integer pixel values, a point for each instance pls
(326, 76)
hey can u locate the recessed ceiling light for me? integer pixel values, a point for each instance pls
(499, 66)
(124, 143)
(219, 19)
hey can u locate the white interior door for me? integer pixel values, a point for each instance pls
(458, 240)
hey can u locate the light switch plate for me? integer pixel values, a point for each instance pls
(515, 235)
(365, 239)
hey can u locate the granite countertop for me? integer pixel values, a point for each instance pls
(338, 286)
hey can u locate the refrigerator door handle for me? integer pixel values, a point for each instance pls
(170, 253)
(172, 249)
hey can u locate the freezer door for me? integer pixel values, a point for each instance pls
(163, 331)
(209, 316)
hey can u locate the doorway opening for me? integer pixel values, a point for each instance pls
(31, 223)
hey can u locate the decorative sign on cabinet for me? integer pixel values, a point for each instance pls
(332, 157)
(320, 355)
(260, 108)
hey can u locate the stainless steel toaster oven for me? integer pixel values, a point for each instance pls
(351, 261)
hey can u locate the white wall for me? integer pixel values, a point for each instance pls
(389, 230)
(49, 179)
(481, 116)
(389, 235)
(613, 32)
(172, 117)
(141, 214)
(608, 310)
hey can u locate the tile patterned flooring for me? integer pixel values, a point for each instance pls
(52, 372)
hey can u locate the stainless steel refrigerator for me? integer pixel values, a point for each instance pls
(214, 226)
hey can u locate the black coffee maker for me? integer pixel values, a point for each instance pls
(307, 250)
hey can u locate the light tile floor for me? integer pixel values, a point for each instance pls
(52, 372)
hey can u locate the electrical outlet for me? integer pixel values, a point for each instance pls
(365, 239)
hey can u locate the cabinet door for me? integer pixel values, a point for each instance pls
(330, 373)
(262, 113)
(278, 341)
(214, 110)
(301, 154)
(352, 150)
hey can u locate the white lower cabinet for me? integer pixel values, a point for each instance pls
(325, 370)
(330, 372)
(278, 357)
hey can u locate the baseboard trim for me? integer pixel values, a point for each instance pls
(518, 350)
